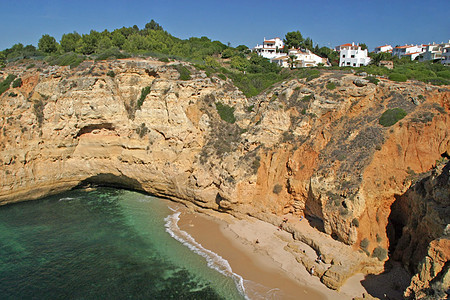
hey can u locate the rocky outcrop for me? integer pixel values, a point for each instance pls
(300, 148)
(419, 232)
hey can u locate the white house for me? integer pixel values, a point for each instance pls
(305, 58)
(433, 52)
(352, 55)
(270, 48)
(412, 51)
(446, 56)
(385, 48)
(300, 58)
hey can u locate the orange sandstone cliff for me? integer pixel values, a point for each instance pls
(300, 148)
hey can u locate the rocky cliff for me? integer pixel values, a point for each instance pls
(313, 148)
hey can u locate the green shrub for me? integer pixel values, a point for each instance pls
(438, 81)
(313, 76)
(111, 53)
(277, 188)
(250, 108)
(379, 253)
(355, 222)
(111, 74)
(379, 239)
(306, 98)
(17, 83)
(185, 74)
(364, 244)
(256, 164)
(12, 94)
(253, 84)
(4, 85)
(392, 116)
(38, 109)
(164, 59)
(30, 66)
(444, 74)
(398, 77)
(226, 112)
(68, 59)
(372, 79)
(142, 130)
(221, 76)
(331, 85)
(144, 92)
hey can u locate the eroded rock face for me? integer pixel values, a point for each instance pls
(419, 232)
(298, 148)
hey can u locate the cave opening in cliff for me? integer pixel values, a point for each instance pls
(111, 180)
(396, 222)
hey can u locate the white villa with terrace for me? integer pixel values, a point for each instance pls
(385, 48)
(270, 48)
(300, 58)
(411, 51)
(434, 52)
(351, 55)
(446, 56)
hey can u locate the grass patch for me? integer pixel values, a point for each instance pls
(372, 79)
(68, 59)
(306, 98)
(17, 83)
(221, 76)
(185, 74)
(38, 109)
(253, 84)
(4, 85)
(398, 77)
(331, 85)
(144, 92)
(226, 112)
(392, 116)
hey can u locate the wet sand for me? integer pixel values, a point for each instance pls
(264, 278)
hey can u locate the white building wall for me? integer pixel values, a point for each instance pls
(270, 48)
(446, 56)
(353, 56)
(385, 48)
(412, 51)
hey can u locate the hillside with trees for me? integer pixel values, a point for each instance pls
(250, 72)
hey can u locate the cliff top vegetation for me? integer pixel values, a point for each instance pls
(248, 71)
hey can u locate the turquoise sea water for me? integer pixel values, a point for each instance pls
(104, 244)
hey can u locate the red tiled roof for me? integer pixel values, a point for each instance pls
(403, 47)
(345, 45)
(382, 46)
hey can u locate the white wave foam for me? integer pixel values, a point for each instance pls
(214, 261)
(67, 199)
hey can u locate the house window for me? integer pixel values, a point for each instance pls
(348, 63)
(343, 55)
(354, 64)
(353, 56)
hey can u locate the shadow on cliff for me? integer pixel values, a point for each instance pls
(111, 180)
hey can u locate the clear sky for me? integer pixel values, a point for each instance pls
(327, 22)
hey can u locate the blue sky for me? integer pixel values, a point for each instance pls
(327, 22)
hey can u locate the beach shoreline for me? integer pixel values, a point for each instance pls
(255, 250)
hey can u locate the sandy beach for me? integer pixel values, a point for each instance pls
(255, 251)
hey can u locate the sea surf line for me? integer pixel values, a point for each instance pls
(214, 261)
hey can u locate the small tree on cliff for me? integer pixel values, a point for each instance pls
(293, 39)
(47, 44)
